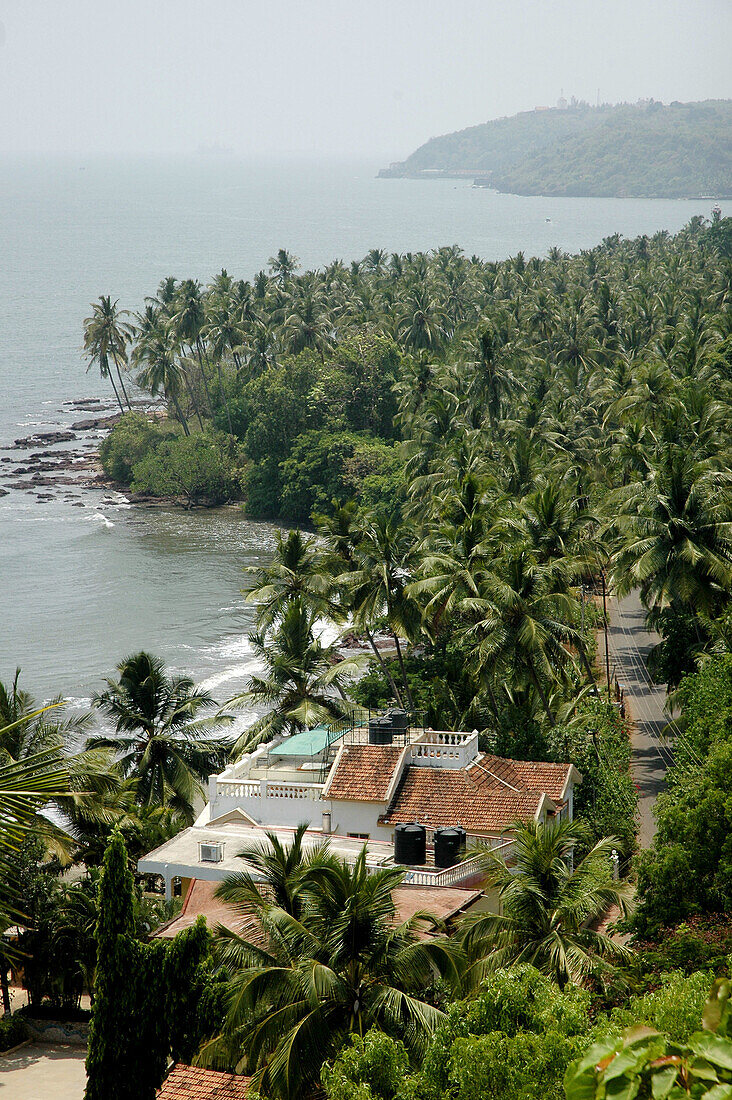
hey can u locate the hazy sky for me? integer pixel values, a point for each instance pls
(333, 77)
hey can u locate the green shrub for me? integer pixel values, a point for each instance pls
(674, 1007)
(199, 468)
(648, 1063)
(12, 1032)
(369, 1068)
(329, 468)
(701, 943)
(514, 1040)
(688, 870)
(129, 442)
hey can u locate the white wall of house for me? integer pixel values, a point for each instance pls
(348, 816)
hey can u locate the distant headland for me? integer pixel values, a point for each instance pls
(641, 150)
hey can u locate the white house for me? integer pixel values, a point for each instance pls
(354, 791)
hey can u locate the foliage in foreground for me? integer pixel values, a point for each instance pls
(647, 1063)
(514, 1039)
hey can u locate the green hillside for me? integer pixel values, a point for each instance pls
(675, 151)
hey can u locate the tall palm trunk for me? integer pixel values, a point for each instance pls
(223, 396)
(110, 376)
(404, 671)
(7, 1007)
(542, 696)
(121, 382)
(204, 376)
(384, 668)
(179, 414)
(194, 402)
(588, 668)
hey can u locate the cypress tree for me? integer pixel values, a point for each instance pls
(113, 1013)
(151, 999)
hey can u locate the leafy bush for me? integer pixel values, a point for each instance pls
(688, 870)
(675, 1006)
(199, 468)
(370, 1068)
(514, 1040)
(12, 1032)
(131, 440)
(598, 745)
(701, 943)
(329, 468)
(645, 1062)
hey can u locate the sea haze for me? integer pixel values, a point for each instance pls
(87, 579)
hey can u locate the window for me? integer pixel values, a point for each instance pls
(359, 836)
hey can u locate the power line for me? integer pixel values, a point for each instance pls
(680, 736)
(641, 704)
(640, 668)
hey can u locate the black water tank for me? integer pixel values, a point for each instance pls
(380, 731)
(449, 846)
(410, 845)
(398, 719)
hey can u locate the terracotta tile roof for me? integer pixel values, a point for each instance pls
(363, 773)
(192, 1083)
(486, 797)
(542, 776)
(200, 901)
(444, 902)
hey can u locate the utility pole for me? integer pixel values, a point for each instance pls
(607, 651)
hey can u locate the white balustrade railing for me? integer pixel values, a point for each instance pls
(444, 750)
(432, 737)
(262, 788)
(446, 876)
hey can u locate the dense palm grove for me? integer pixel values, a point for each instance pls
(479, 451)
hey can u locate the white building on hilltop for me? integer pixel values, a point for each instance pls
(358, 786)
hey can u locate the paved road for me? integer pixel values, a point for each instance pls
(630, 643)
(43, 1072)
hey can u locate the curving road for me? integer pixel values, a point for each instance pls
(630, 642)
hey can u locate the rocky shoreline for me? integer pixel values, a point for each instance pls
(62, 460)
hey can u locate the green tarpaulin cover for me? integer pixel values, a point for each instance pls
(307, 743)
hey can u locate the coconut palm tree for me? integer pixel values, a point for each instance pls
(155, 353)
(422, 323)
(520, 628)
(303, 682)
(188, 318)
(106, 336)
(547, 906)
(341, 967)
(294, 573)
(278, 873)
(224, 333)
(379, 585)
(29, 731)
(26, 786)
(161, 738)
(674, 535)
(308, 325)
(283, 266)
